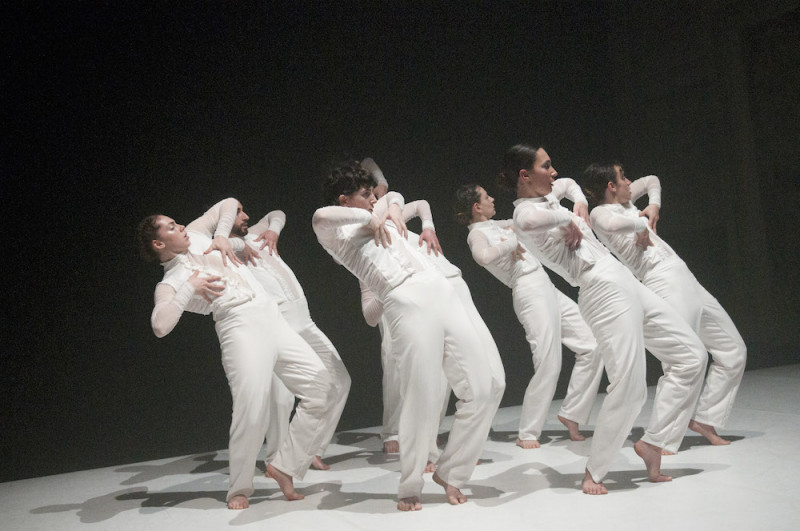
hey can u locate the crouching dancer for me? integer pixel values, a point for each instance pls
(255, 340)
(430, 331)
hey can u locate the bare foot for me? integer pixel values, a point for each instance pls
(651, 455)
(572, 427)
(238, 502)
(319, 464)
(430, 468)
(528, 444)
(590, 487)
(666, 452)
(285, 483)
(708, 432)
(409, 504)
(391, 447)
(454, 496)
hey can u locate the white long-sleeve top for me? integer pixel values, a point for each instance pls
(538, 222)
(616, 225)
(493, 243)
(345, 234)
(277, 278)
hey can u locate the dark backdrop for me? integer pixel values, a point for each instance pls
(113, 111)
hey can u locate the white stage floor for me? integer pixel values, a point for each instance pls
(745, 486)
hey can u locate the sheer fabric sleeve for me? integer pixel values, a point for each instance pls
(274, 221)
(649, 185)
(541, 220)
(371, 167)
(566, 187)
(606, 220)
(217, 220)
(371, 307)
(484, 253)
(419, 209)
(391, 198)
(169, 306)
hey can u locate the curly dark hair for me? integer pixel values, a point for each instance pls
(146, 232)
(466, 196)
(345, 178)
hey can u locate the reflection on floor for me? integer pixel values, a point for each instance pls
(750, 484)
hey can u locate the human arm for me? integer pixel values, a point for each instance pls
(371, 167)
(328, 219)
(484, 253)
(422, 209)
(269, 229)
(566, 187)
(170, 304)
(371, 307)
(217, 223)
(652, 187)
(610, 222)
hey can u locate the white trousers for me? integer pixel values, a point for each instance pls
(391, 394)
(549, 318)
(677, 285)
(423, 315)
(297, 315)
(626, 318)
(255, 341)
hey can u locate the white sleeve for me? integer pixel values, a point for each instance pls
(566, 187)
(419, 209)
(217, 220)
(329, 218)
(605, 220)
(391, 198)
(169, 306)
(540, 220)
(649, 185)
(484, 253)
(371, 167)
(371, 307)
(274, 221)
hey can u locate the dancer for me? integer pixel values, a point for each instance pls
(495, 247)
(254, 339)
(625, 317)
(633, 239)
(423, 313)
(281, 284)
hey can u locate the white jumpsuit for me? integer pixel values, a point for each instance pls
(661, 269)
(625, 317)
(430, 331)
(535, 297)
(255, 341)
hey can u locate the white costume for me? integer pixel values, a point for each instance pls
(492, 244)
(625, 317)
(281, 284)
(255, 341)
(423, 315)
(661, 269)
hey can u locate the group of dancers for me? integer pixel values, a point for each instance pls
(433, 338)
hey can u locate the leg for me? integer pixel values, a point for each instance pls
(390, 393)
(535, 304)
(280, 410)
(585, 379)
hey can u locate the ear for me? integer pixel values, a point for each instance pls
(158, 245)
(523, 174)
(612, 186)
(476, 208)
(343, 200)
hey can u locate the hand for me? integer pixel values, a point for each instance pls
(221, 244)
(582, 211)
(429, 237)
(270, 240)
(206, 287)
(651, 212)
(250, 254)
(572, 236)
(395, 214)
(381, 233)
(643, 239)
(517, 253)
